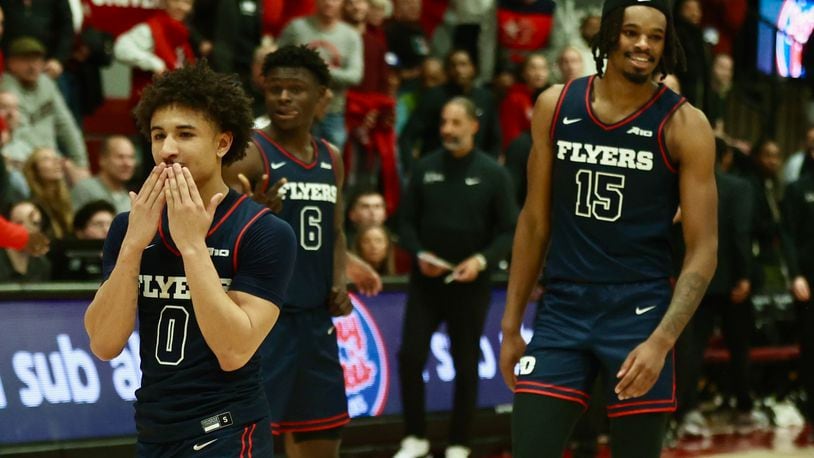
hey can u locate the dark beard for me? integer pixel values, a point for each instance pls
(637, 78)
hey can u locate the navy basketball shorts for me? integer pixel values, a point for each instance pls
(582, 329)
(304, 381)
(253, 440)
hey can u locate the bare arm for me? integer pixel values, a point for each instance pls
(339, 301)
(111, 316)
(532, 234)
(690, 141)
(233, 324)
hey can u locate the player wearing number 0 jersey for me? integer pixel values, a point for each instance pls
(201, 269)
(183, 392)
(613, 155)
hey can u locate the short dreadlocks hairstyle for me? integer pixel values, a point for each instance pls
(219, 97)
(607, 40)
(301, 56)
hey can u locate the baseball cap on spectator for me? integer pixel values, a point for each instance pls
(26, 46)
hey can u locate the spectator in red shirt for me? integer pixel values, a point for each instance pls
(517, 106)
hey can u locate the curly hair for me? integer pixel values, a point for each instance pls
(219, 97)
(607, 40)
(300, 56)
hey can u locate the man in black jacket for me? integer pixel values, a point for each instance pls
(798, 211)
(421, 133)
(458, 220)
(727, 298)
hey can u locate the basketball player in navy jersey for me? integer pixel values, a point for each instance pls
(304, 381)
(613, 156)
(204, 269)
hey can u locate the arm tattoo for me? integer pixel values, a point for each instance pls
(689, 290)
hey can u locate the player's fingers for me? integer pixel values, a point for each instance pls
(182, 187)
(144, 194)
(274, 190)
(624, 387)
(172, 183)
(507, 371)
(244, 184)
(261, 183)
(151, 179)
(192, 189)
(169, 199)
(157, 190)
(623, 370)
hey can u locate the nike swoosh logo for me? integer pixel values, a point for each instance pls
(150, 246)
(325, 165)
(197, 447)
(642, 311)
(277, 165)
(472, 181)
(567, 121)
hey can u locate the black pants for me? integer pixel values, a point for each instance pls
(463, 308)
(737, 323)
(805, 320)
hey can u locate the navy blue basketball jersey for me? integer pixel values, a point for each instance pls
(614, 190)
(309, 203)
(184, 392)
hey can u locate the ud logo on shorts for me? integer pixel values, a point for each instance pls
(363, 357)
(526, 365)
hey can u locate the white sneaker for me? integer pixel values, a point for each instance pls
(413, 447)
(456, 451)
(694, 424)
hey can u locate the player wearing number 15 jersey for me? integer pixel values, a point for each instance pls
(613, 156)
(203, 268)
(304, 381)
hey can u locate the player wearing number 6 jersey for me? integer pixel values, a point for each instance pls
(204, 269)
(613, 156)
(304, 381)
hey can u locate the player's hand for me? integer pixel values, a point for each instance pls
(511, 350)
(188, 216)
(272, 198)
(339, 303)
(741, 291)
(145, 208)
(640, 370)
(467, 270)
(366, 279)
(38, 244)
(800, 289)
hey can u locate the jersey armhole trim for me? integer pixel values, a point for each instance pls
(555, 119)
(266, 169)
(333, 157)
(240, 237)
(227, 214)
(665, 152)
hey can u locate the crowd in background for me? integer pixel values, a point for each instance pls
(394, 64)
